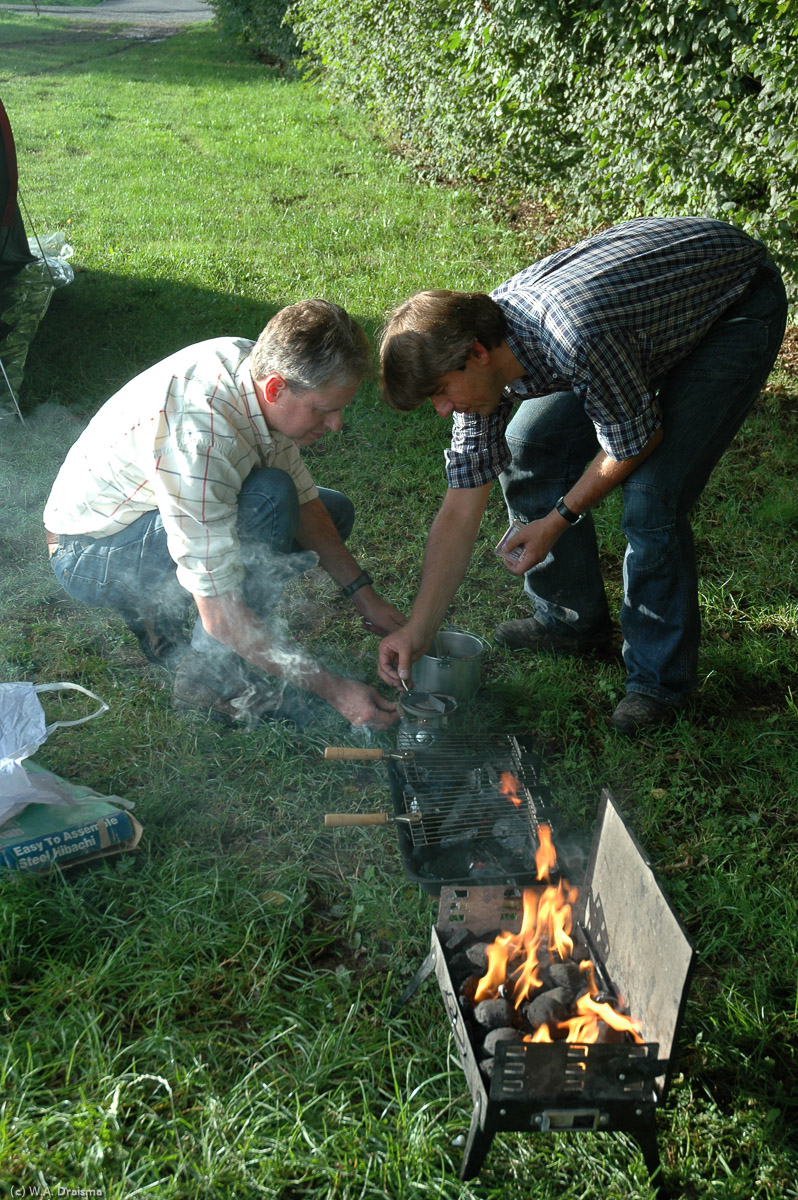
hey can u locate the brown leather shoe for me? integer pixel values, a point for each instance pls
(532, 634)
(255, 697)
(162, 642)
(637, 713)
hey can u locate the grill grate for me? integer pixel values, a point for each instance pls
(463, 828)
(465, 794)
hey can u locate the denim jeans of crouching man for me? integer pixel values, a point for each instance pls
(704, 399)
(133, 572)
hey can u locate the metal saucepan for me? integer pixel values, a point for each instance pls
(453, 664)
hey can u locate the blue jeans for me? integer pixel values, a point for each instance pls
(132, 571)
(704, 399)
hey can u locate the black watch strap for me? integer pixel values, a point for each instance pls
(363, 580)
(571, 517)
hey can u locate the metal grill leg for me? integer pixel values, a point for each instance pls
(647, 1140)
(476, 1148)
(423, 972)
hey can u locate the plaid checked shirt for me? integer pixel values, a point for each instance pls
(181, 437)
(605, 319)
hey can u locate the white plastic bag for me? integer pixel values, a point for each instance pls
(23, 729)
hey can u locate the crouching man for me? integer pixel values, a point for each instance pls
(631, 360)
(189, 483)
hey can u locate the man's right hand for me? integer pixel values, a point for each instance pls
(360, 704)
(449, 545)
(398, 651)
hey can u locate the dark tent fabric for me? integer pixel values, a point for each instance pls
(28, 277)
(14, 252)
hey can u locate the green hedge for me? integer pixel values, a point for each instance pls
(602, 109)
(261, 24)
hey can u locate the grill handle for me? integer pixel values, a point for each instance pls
(354, 753)
(339, 820)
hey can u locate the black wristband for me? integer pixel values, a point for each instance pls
(363, 580)
(571, 517)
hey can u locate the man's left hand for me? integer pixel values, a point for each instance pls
(378, 616)
(534, 540)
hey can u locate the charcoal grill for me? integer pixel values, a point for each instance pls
(641, 953)
(455, 823)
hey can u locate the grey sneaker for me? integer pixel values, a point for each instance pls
(637, 713)
(532, 634)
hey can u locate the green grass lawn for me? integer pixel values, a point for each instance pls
(209, 1017)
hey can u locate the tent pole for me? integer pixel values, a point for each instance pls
(11, 390)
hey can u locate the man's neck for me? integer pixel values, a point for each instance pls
(506, 364)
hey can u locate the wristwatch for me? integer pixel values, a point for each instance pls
(571, 517)
(363, 580)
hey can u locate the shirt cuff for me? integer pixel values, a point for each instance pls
(627, 438)
(203, 583)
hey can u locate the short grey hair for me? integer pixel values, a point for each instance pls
(313, 344)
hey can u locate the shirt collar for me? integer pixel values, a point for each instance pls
(537, 377)
(249, 401)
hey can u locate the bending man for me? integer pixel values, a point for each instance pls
(631, 360)
(189, 483)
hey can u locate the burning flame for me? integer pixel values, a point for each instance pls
(508, 786)
(514, 959)
(546, 855)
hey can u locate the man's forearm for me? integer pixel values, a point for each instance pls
(316, 531)
(604, 474)
(230, 621)
(449, 548)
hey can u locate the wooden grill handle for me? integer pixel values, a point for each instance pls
(339, 820)
(354, 753)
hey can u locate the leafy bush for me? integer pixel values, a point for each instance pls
(605, 109)
(259, 22)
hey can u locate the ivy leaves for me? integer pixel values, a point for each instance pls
(605, 108)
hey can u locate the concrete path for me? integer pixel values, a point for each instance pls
(129, 12)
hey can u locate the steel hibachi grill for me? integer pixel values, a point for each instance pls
(568, 1019)
(467, 809)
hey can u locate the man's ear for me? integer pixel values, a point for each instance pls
(479, 352)
(272, 387)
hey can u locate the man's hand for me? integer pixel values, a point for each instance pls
(316, 532)
(449, 545)
(362, 705)
(398, 651)
(227, 619)
(378, 615)
(601, 477)
(535, 541)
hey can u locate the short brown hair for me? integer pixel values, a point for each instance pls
(431, 334)
(313, 344)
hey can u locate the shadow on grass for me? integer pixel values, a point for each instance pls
(104, 329)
